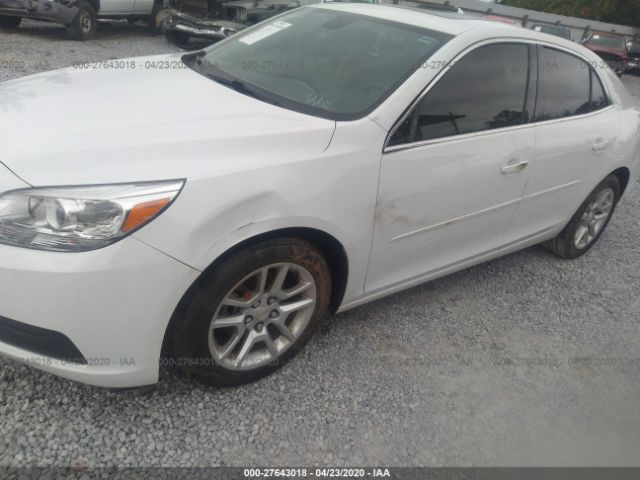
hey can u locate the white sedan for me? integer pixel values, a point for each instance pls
(215, 205)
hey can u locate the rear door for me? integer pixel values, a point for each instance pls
(576, 128)
(115, 7)
(455, 167)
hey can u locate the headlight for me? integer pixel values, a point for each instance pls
(75, 219)
(227, 32)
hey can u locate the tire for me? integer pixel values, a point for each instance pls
(158, 13)
(9, 22)
(84, 25)
(618, 67)
(566, 244)
(178, 39)
(204, 347)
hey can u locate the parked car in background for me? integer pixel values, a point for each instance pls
(439, 7)
(190, 32)
(611, 47)
(79, 16)
(500, 19)
(557, 30)
(351, 1)
(314, 162)
(198, 30)
(633, 66)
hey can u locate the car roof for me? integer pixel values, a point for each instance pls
(445, 22)
(607, 34)
(454, 24)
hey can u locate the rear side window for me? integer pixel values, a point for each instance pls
(486, 89)
(568, 86)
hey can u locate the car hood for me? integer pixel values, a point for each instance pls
(611, 51)
(143, 119)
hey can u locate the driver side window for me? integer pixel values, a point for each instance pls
(485, 90)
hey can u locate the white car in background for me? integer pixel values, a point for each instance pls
(325, 158)
(79, 16)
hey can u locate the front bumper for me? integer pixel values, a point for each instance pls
(57, 11)
(112, 304)
(48, 343)
(191, 33)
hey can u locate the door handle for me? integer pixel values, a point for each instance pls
(600, 145)
(514, 166)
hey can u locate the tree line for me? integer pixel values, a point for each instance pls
(622, 12)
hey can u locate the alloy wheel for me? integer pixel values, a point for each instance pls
(262, 316)
(594, 218)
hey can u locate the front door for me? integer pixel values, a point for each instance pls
(455, 169)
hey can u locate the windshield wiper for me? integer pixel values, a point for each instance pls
(194, 61)
(238, 85)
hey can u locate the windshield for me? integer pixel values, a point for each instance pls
(608, 42)
(557, 31)
(324, 62)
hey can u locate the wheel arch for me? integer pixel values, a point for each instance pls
(332, 249)
(94, 3)
(623, 174)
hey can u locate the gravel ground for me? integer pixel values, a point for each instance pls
(478, 368)
(39, 46)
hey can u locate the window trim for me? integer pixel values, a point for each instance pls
(604, 90)
(532, 122)
(592, 71)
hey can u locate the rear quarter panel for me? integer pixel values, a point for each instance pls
(629, 132)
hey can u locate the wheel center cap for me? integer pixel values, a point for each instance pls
(262, 312)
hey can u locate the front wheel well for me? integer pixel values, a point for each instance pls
(94, 3)
(623, 174)
(331, 248)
